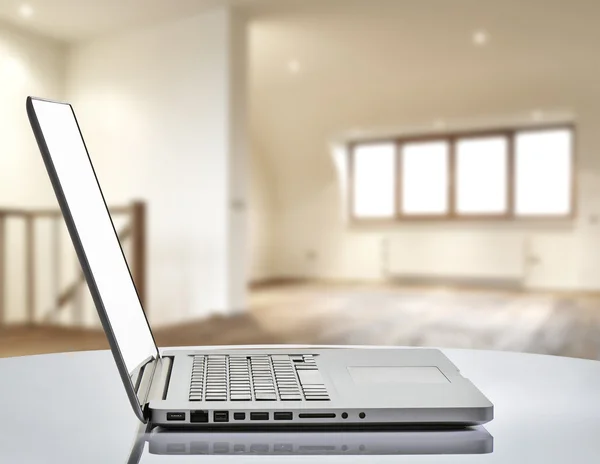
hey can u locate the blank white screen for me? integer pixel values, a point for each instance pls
(96, 232)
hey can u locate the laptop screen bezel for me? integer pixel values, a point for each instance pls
(137, 399)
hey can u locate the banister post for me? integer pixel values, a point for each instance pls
(2, 267)
(30, 291)
(138, 249)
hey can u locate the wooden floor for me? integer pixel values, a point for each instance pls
(383, 315)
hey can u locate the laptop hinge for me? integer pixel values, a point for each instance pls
(142, 381)
(153, 382)
(160, 381)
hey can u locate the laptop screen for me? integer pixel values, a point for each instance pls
(101, 248)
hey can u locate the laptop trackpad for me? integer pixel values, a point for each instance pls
(369, 375)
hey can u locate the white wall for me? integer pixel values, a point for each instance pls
(260, 222)
(238, 162)
(155, 108)
(371, 65)
(29, 65)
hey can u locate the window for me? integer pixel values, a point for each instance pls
(481, 175)
(374, 181)
(543, 172)
(424, 178)
(512, 173)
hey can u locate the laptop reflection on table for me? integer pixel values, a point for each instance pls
(470, 440)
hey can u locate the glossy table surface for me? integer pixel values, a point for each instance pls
(72, 408)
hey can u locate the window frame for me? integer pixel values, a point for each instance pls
(451, 138)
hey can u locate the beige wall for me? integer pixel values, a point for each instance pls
(164, 115)
(260, 222)
(158, 129)
(155, 106)
(28, 65)
(372, 65)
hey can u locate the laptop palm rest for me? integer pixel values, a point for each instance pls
(369, 375)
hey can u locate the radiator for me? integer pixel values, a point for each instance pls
(488, 258)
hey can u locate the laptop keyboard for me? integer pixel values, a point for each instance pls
(258, 377)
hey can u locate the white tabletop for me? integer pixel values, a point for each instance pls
(72, 408)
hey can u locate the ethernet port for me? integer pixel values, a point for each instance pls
(199, 416)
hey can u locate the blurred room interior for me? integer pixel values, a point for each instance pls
(390, 172)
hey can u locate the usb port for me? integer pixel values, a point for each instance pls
(175, 416)
(259, 416)
(221, 416)
(282, 415)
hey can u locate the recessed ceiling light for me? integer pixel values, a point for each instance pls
(26, 11)
(293, 66)
(481, 38)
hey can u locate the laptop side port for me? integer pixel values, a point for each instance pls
(221, 416)
(282, 416)
(259, 416)
(176, 416)
(199, 416)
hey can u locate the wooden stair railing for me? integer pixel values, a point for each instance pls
(134, 231)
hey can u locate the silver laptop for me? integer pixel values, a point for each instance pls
(235, 387)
